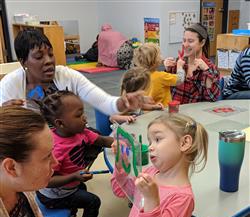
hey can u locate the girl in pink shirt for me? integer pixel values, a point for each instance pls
(75, 148)
(177, 143)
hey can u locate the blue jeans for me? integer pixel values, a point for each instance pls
(239, 95)
(79, 199)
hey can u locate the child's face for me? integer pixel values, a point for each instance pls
(73, 118)
(191, 43)
(164, 147)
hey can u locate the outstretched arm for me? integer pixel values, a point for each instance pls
(104, 141)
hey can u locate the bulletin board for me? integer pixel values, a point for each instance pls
(178, 21)
(208, 18)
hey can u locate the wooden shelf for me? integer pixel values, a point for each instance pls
(54, 33)
(231, 42)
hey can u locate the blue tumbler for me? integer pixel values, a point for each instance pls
(231, 154)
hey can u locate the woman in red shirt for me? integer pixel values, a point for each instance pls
(202, 77)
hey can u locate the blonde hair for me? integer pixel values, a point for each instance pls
(183, 125)
(134, 79)
(147, 56)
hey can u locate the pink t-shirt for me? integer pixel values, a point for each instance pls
(175, 201)
(70, 151)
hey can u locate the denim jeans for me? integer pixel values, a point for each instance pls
(79, 199)
(239, 95)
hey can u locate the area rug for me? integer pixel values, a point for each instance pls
(90, 67)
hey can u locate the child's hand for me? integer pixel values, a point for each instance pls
(169, 63)
(158, 106)
(114, 147)
(130, 118)
(149, 188)
(84, 177)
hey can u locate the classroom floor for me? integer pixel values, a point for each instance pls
(110, 82)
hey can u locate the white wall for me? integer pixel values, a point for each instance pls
(84, 12)
(128, 18)
(244, 14)
(125, 16)
(244, 7)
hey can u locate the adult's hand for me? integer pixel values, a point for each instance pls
(130, 101)
(180, 64)
(17, 102)
(199, 63)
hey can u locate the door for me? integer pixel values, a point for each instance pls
(234, 19)
(211, 17)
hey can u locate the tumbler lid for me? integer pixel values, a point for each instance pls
(232, 136)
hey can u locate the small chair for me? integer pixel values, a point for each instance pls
(223, 81)
(102, 123)
(53, 212)
(243, 213)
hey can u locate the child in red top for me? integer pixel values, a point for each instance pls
(75, 148)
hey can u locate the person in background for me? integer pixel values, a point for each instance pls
(75, 148)
(114, 49)
(177, 144)
(238, 85)
(148, 56)
(202, 76)
(91, 54)
(26, 160)
(39, 75)
(134, 79)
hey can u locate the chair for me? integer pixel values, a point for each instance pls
(5, 68)
(243, 213)
(53, 212)
(223, 81)
(103, 126)
(102, 123)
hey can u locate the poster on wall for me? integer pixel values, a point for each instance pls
(208, 18)
(152, 30)
(178, 21)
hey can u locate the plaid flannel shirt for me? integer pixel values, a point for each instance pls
(194, 89)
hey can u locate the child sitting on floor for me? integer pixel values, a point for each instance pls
(75, 148)
(135, 79)
(148, 56)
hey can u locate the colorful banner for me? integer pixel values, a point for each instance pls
(208, 18)
(152, 30)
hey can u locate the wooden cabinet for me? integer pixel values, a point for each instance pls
(54, 33)
(2, 44)
(228, 42)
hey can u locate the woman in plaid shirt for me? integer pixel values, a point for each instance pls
(202, 77)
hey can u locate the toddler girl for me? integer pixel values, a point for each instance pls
(148, 56)
(177, 144)
(75, 148)
(135, 79)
